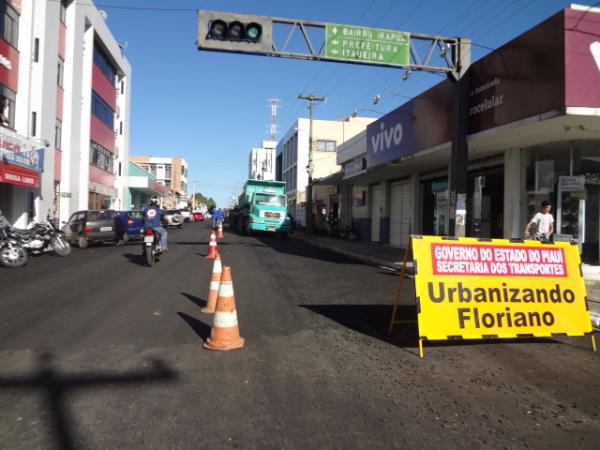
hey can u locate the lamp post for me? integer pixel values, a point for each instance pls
(194, 194)
(311, 99)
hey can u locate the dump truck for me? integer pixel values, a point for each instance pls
(261, 207)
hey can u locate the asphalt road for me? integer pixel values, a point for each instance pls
(98, 351)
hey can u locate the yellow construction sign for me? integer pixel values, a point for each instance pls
(472, 289)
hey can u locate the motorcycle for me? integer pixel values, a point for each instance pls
(12, 251)
(44, 237)
(349, 232)
(151, 249)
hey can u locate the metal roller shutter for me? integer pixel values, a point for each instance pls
(400, 211)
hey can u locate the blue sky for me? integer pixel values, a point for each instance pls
(212, 108)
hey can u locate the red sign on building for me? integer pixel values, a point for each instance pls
(19, 176)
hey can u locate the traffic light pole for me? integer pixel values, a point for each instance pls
(458, 172)
(311, 99)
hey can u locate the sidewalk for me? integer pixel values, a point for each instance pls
(391, 257)
(362, 251)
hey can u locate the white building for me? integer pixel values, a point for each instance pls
(64, 87)
(294, 161)
(261, 162)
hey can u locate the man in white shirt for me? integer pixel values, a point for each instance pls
(544, 224)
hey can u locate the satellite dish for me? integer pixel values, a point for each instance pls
(103, 14)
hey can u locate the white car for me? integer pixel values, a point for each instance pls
(186, 214)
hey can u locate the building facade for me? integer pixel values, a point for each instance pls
(142, 185)
(261, 162)
(65, 86)
(534, 123)
(169, 172)
(295, 161)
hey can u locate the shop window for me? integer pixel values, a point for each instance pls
(9, 24)
(326, 146)
(102, 111)
(7, 103)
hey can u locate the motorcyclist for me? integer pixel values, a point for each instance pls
(152, 219)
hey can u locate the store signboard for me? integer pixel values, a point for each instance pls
(355, 167)
(391, 137)
(18, 150)
(18, 176)
(522, 79)
(582, 50)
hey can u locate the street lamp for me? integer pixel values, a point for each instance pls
(357, 110)
(377, 97)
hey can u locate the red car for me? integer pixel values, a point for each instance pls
(198, 216)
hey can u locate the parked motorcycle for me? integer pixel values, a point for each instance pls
(151, 248)
(349, 232)
(12, 251)
(44, 237)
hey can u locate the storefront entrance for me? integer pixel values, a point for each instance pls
(485, 203)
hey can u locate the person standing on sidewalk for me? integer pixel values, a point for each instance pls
(543, 224)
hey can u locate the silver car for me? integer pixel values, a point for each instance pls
(172, 218)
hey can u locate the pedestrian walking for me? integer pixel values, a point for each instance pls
(541, 226)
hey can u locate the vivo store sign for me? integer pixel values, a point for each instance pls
(391, 137)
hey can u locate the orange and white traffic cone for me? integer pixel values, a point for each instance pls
(213, 291)
(225, 334)
(220, 231)
(212, 246)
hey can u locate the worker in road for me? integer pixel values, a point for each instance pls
(218, 217)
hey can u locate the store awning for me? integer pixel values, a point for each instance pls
(9, 173)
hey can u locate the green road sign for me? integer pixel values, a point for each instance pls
(368, 45)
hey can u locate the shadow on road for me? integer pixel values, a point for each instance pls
(298, 248)
(56, 388)
(374, 320)
(200, 328)
(135, 258)
(197, 301)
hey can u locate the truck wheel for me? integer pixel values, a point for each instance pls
(283, 235)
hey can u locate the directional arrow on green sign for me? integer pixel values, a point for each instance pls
(368, 45)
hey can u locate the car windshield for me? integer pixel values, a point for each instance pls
(94, 216)
(270, 199)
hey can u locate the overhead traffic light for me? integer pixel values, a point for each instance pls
(234, 32)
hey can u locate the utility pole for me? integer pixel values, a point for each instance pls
(312, 100)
